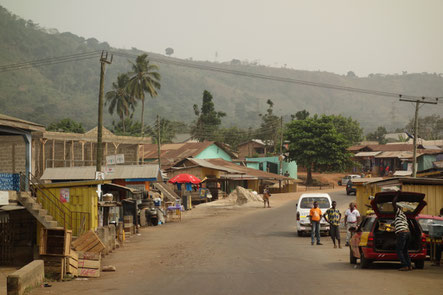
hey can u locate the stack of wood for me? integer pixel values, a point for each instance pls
(89, 248)
(129, 225)
(55, 250)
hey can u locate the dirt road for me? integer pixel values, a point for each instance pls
(243, 251)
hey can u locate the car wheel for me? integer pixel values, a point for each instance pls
(299, 233)
(347, 192)
(364, 262)
(419, 264)
(352, 259)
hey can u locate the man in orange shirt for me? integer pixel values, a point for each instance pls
(315, 216)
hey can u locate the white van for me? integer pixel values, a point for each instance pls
(304, 205)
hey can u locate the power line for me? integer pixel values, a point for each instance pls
(277, 78)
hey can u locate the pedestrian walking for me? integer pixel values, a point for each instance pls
(402, 235)
(438, 248)
(266, 196)
(352, 218)
(333, 217)
(315, 216)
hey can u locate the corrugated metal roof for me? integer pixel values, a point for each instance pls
(367, 154)
(402, 173)
(19, 123)
(396, 154)
(207, 164)
(88, 172)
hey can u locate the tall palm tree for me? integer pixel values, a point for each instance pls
(119, 99)
(143, 78)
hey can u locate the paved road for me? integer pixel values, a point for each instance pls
(244, 251)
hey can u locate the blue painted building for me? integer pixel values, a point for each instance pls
(272, 164)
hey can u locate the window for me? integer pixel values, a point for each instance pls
(308, 202)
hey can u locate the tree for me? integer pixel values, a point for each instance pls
(300, 115)
(132, 128)
(167, 131)
(348, 127)
(66, 125)
(233, 136)
(208, 120)
(143, 78)
(119, 99)
(378, 135)
(270, 130)
(169, 51)
(315, 144)
(429, 127)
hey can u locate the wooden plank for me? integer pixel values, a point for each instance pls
(42, 248)
(72, 262)
(89, 256)
(88, 272)
(96, 264)
(73, 255)
(87, 245)
(82, 238)
(97, 249)
(68, 240)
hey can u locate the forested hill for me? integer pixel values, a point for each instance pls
(47, 93)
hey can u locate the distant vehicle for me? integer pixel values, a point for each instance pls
(347, 178)
(350, 188)
(425, 221)
(304, 205)
(374, 239)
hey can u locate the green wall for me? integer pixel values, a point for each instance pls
(214, 152)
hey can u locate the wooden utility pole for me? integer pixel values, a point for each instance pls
(281, 148)
(158, 142)
(417, 106)
(103, 61)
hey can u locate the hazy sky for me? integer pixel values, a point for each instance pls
(373, 36)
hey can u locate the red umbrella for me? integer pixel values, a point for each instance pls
(185, 178)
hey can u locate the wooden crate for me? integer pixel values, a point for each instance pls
(89, 242)
(89, 264)
(71, 264)
(54, 266)
(55, 242)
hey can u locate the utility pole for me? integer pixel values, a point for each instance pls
(103, 61)
(417, 106)
(281, 145)
(158, 142)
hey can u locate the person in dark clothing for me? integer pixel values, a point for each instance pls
(438, 248)
(403, 236)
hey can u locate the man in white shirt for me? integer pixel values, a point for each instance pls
(352, 218)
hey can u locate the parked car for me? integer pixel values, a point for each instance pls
(304, 205)
(374, 239)
(425, 221)
(350, 188)
(347, 178)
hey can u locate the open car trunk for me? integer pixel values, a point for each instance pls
(384, 235)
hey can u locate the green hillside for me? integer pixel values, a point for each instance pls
(48, 93)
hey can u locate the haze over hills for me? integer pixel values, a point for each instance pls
(48, 93)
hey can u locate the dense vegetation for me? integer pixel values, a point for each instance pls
(69, 90)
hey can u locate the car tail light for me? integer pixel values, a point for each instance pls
(370, 240)
(423, 241)
(298, 215)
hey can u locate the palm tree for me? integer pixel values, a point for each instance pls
(143, 78)
(119, 99)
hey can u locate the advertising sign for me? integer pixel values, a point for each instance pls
(64, 195)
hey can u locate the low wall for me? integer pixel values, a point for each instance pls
(31, 275)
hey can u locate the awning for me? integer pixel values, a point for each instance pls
(402, 173)
(399, 155)
(132, 190)
(366, 154)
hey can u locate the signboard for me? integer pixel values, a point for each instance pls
(109, 170)
(9, 182)
(4, 198)
(120, 158)
(64, 195)
(111, 160)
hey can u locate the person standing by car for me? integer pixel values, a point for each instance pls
(438, 248)
(266, 196)
(314, 218)
(402, 235)
(333, 216)
(352, 218)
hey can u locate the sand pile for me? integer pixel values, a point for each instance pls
(242, 196)
(238, 197)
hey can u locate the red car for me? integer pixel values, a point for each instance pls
(425, 221)
(374, 239)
